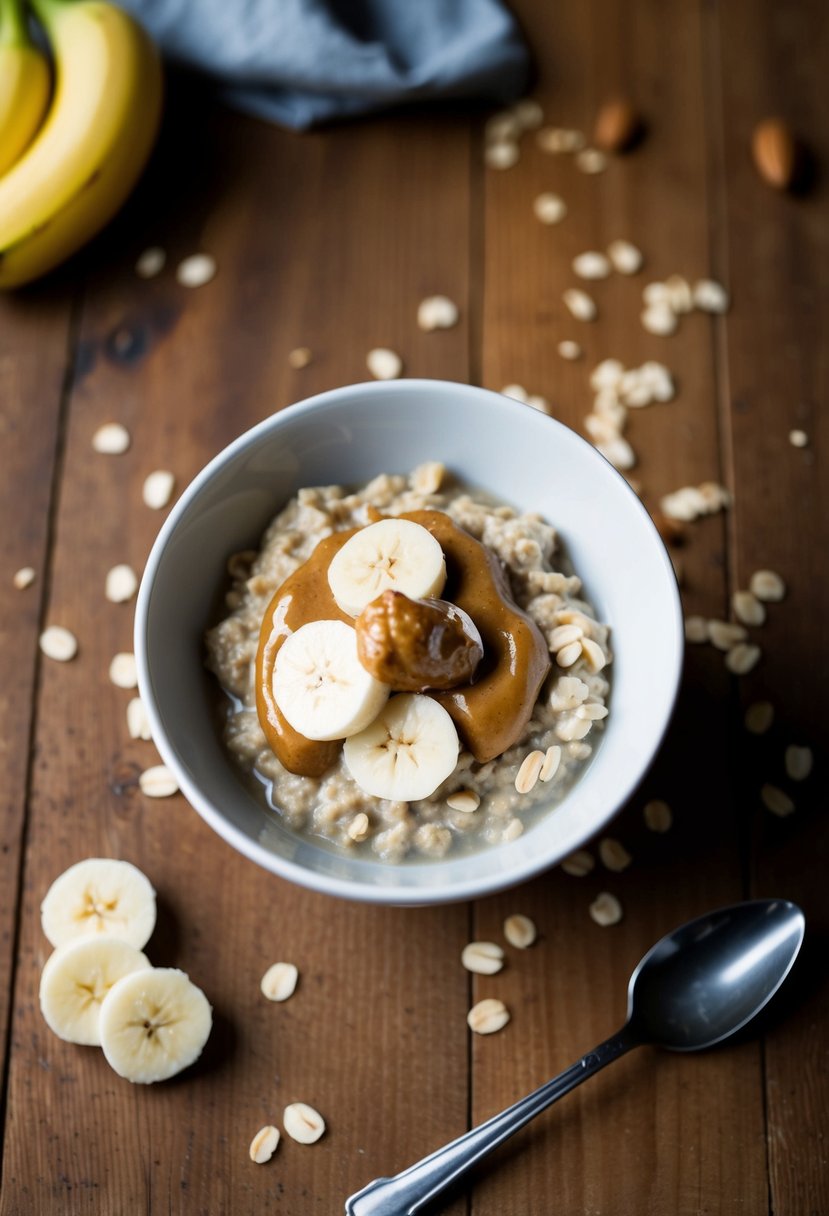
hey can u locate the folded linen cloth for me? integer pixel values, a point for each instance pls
(301, 62)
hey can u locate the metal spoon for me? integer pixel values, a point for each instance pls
(694, 988)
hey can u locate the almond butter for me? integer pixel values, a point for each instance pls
(775, 152)
(617, 125)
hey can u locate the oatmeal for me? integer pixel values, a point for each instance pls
(565, 686)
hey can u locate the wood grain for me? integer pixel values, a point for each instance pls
(36, 329)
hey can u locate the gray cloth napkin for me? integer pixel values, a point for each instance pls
(300, 62)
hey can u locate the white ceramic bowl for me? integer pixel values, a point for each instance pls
(348, 436)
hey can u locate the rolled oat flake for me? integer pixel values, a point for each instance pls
(520, 931)
(488, 1016)
(58, 643)
(158, 782)
(484, 958)
(302, 1123)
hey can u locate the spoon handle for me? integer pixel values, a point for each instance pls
(406, 1193)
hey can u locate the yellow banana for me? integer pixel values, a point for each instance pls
(94, 143)
(24, 85)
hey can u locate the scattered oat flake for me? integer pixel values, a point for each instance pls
(263, 1145)
(591, 265)
(658, 815)
(776, 800)
(799, 761)
(710, 296)
(539, 403)
(299, 357)
(678, 294)
(626, 258)
(529, 771)
(726, 634)
(158, 489)
(798, 439)
(138, 723)
(502, 127)
(466, 801)
(759, 717)
(196, 270)
(487, 1016)
(580, 304)
(358, 828)
(303, 1123)
(58, 643)
(516, 391)
(151, 262)
(520, 931)
(502, 155)
(549, 208)
(613, 854)
(743, 658)
(121, 584)
(560, 139)
(279, 981)
(569, 350)
(484, 958)
(24, 578)
(605, 909)
(578, 864)
(696, 629)
(437, 312)
(384, 364)
(747, 608)
(591, 160)
(158, 782)
(659, 319)
(112, 439)
(123, 671)
(767, 586)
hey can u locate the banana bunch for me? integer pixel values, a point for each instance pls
(68, 166)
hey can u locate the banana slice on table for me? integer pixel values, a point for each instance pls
(393, 553)
(99, 896)
(154, 1024)
(407, 751)
(321, 686)
(75, 980)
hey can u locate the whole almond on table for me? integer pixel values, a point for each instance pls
(617, 125)
(774, 150)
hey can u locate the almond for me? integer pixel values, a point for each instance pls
(617, 125)
(775, 152)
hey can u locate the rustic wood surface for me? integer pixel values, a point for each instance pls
(330, 240)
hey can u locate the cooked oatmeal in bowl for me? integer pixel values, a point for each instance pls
(434, 649)
(502, 776)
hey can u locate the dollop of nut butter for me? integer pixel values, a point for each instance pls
(414, 645)
(490, 713)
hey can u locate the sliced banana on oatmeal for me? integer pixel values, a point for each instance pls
(393, 553)
(321, 686)
(407, 751)
(153, 1024)
(99, 896)
(77, 978)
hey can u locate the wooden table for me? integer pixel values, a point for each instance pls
(330, 240)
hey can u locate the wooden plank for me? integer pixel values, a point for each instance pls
(655, 1133)
(778, 371)
(34, 348)
(328, 241)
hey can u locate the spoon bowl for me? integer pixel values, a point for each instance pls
(694, 988)
(707, 979)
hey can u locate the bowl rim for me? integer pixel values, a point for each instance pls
(285, 867)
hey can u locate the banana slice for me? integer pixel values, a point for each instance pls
(321, 686)
(393, 553)
(405, 754)
(154, 1024)
(99, 896)
(76, 979)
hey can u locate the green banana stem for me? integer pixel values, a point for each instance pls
(13, 29)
